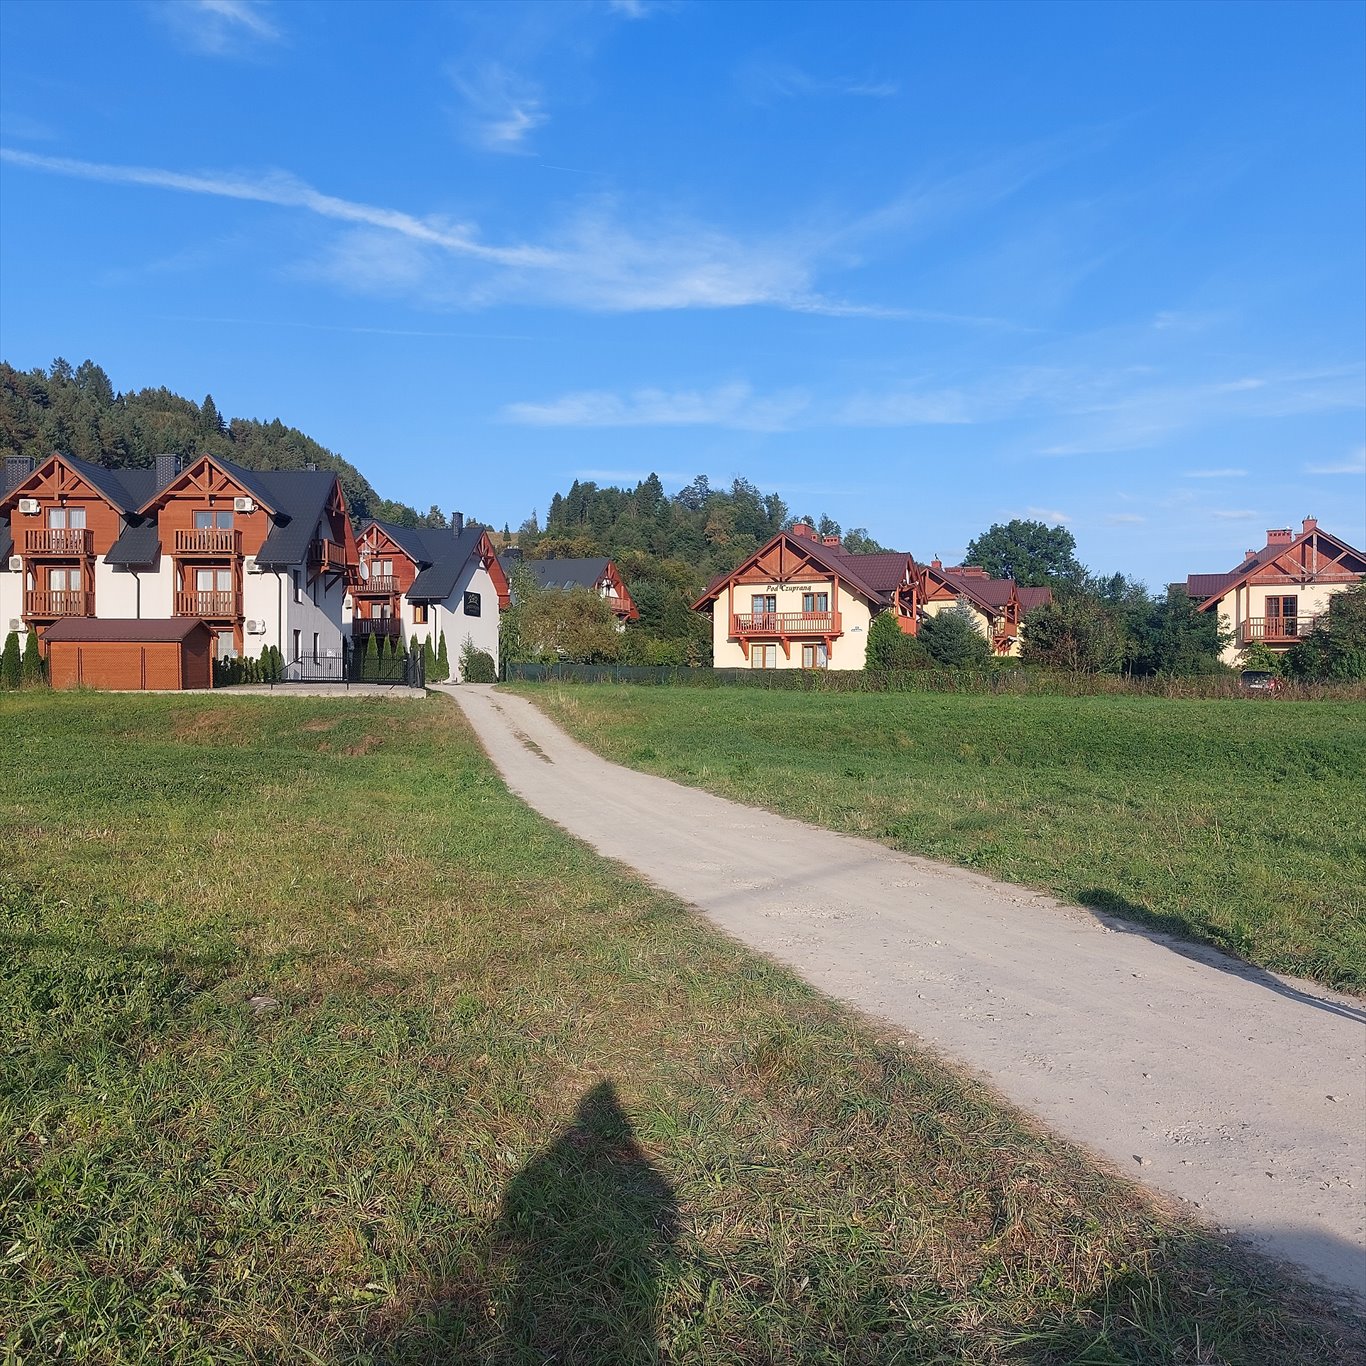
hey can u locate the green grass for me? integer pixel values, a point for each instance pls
(503, 1103)
(1241, 823)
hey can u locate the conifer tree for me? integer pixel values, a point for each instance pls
(10, 667)
(443, 662)
(370, 668)
(31, 669)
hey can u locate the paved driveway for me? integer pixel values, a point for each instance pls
(1237, 1091)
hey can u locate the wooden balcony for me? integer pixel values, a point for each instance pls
(1278, 630)
(376, 626)
(208, 541)
(785, 625)
(378, 585)
(327, 556)
(68, 602)
(71, 541)
(212, 605)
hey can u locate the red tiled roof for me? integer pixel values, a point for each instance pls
(123, 630)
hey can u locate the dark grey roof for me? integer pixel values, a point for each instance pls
(567, 573)
(446, 556)
(412, 540)
(136, 545)
(258, 482)
(128, 489)
(299, 498)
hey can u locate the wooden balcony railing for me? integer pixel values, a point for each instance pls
(327, 556)
(208, 541)
(60, 541)
(382, 584)
(208, 604)
(68, 602)
(1278, 629)
(376, 626)
(746, 624)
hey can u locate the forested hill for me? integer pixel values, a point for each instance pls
(78, 413)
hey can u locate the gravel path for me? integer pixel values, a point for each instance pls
(1234, 1090)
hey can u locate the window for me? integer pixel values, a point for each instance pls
(298, 594)
(763, 602)
(226, 645)
(1287, 606)
(472, 605)
(298, 644)
(61, 519)
(64, 580)
(763, 656)
(315, 647)
(815, 602)
(213, 580)
(209, 519)
(419, 614)
(815, 657)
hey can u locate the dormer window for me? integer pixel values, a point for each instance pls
(66, 519)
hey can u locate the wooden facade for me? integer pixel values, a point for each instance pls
(130, 656)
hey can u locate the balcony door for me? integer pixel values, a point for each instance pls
(66, 519)
(64, 579)
(764, 606)
(815, 603)
(1282, 616)
(213, 588)
(209, 519)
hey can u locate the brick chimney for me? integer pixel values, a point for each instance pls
(1310, 524)
(804, 530)
(17, 469)
(830, 540)
(167, 467)
(1280, 536)
(936, 563)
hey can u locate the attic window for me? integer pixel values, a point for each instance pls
(473, 605)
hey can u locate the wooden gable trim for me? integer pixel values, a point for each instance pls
(1291, 568)
(55, 479)
(380, 543)
(203, 478)
(488, 558)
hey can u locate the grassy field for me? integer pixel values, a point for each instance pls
(318, 1046)
(1241, 823)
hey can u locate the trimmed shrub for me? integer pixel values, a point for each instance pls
(11, 667)
(443, 660)
(32, 669)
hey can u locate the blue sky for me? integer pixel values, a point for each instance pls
(922, 267)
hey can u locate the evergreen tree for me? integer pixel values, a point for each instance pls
(11, 668)
(370, 667)
(31, 669)
(952, 639)
(890, 648)
(428, 660)
(443, 662)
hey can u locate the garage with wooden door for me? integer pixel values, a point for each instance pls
(130, 656)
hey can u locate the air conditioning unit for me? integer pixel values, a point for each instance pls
(250, 565)
(255, 627)
(16, 562)
(30, 507)
(243, 505)
(15, 624)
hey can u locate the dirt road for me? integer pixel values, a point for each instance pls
(1234, 1090)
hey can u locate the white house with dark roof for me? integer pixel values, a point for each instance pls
(599, 576)
(1276, 595)
(422, 583)
(264, 557)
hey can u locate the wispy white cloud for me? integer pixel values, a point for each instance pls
(1214, 474)
(629, 9)
(501, 108)
(1234, 514)
(1045, 515)
(767, 82)
(1124, 519)
(729, 405)
(220, 28)
(1354, 464)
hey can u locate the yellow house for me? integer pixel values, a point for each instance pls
(805, 602)
(1278, 593)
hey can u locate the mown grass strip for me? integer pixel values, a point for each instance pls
(319, 1046)
(1242, 824)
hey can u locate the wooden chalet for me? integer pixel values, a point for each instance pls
(803, 601)
(263, 557)
(1277, 594)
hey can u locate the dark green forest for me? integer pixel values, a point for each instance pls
(77, 411)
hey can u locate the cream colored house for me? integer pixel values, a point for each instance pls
(1278, 593)
(803, 602)
(996, 607)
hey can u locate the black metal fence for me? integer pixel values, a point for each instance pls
(354, 664)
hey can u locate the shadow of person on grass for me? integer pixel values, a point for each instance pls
(587, 1223)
